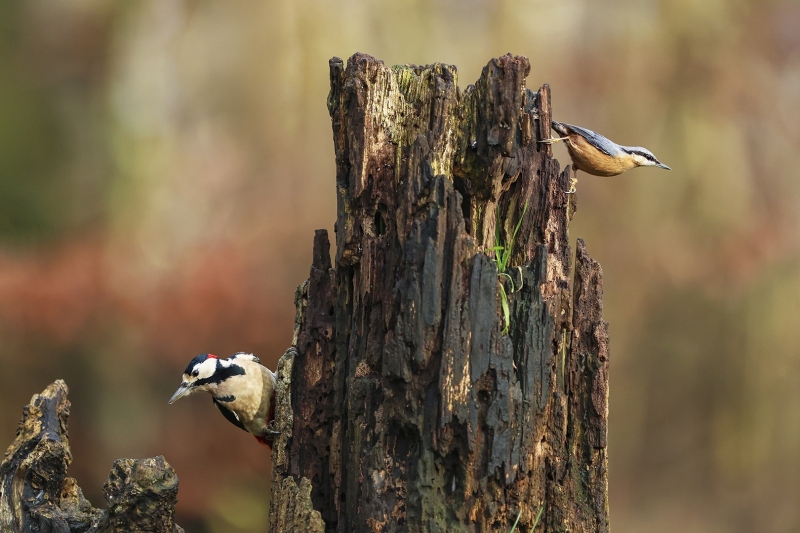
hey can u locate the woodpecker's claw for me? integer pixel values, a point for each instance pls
(272, 428)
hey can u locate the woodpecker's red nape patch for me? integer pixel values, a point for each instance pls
(265, 442)
(211, 356)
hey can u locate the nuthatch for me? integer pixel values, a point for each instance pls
(242, 389)
(597, 155)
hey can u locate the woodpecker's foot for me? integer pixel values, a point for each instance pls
(553, 140)
(272, 429)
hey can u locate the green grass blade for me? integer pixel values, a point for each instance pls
(536, 522)
(516, 522)
(519, 223)
(504, 305)
(510, 246)
(502, 257)
(498, 224)
(505, 256)
(510, 279)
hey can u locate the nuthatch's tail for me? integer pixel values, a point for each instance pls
(560, 128)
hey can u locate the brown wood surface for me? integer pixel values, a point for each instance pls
(405, 406)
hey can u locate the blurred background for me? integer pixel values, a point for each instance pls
(163, 164)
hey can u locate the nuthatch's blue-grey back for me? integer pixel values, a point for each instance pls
(597, 155)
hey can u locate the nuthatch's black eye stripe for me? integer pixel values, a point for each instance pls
(643, 154)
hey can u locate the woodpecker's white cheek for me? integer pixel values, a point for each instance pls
(206, 368)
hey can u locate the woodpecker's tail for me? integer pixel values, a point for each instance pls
(264, 441)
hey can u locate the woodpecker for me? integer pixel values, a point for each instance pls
(241, 388)
(597, 155)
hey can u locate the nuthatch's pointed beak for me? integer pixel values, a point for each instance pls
(662, 165)
(183, 390)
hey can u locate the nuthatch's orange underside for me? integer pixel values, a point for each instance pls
(597, 155)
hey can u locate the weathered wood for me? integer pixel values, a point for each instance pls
(411, 408)
(37, 496)
(141, 496)
(291, 508)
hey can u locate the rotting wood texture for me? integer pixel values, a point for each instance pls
(409, 408)
(37, 496)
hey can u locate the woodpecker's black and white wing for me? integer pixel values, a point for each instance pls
(603, 144)
(229, 415)
(245, 355)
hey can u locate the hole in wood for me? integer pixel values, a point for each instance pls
(380, 223)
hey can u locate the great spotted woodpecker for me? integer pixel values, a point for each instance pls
(242, 389)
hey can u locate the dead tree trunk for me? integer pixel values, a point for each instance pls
(407, 402)
(37, 496)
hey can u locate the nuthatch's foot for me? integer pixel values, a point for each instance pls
(572, 183)
(553, 140)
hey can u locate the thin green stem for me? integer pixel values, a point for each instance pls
(536, 522)
(516, 522)
(502, 257)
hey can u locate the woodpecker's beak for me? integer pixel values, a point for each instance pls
(662, 165)
(184, 390)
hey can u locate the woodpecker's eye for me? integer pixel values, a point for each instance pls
(195, 373)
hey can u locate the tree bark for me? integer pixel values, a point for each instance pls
(407, 403)
(37, 496)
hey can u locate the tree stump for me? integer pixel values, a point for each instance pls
(37, 496)
(409, 402)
